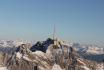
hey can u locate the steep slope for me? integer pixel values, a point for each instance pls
(51, 55)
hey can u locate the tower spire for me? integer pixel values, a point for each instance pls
(54, 31)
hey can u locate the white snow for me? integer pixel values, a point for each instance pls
(4, 43)
(19, 42)
(85, 67)
(100, 66)
(81, 62)
(39, 53)
(95, 50)
(89, 49)
(56, 67)
(18, 55)
(3, 68)
(26, 58)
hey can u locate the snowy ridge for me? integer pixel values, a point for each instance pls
(89, 49)
(49, 55)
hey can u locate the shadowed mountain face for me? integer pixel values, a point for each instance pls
(8, 50)
(42, 46)
(94, 57)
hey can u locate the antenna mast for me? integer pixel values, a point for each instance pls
(54, 31)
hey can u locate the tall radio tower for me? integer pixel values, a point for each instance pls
(54, 32)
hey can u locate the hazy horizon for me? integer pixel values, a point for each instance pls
(76, 20)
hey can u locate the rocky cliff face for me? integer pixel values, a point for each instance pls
(47, 55)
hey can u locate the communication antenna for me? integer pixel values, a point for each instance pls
(54, 32)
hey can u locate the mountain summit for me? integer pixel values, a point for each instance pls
(52, 54)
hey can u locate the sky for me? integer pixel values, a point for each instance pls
(75, 20)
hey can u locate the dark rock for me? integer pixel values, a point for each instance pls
(42, 46)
